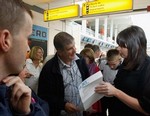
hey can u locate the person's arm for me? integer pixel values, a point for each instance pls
(129, 101)
(21, 99)
(39, 104)
(20, 94)
(24, 74)
(71, 108)
(50, 90)
(109, 90)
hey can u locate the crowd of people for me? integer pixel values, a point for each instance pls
(29, 88)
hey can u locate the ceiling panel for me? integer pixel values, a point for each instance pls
(35, 2)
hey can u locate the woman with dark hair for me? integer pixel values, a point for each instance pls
(131, 94)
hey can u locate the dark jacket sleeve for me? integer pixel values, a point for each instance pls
(51, 87)
(40, 104)
(38, 108)
(144, 100)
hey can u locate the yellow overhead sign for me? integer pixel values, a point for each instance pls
(61, 13)
(105, 6)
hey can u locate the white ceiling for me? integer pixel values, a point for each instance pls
(43, 2)
(137, 4)
(37, 2)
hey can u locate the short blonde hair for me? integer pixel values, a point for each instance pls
(33, 52)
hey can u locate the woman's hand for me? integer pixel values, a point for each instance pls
(106, 88)
(24, 74)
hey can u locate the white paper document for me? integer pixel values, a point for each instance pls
(87, 87)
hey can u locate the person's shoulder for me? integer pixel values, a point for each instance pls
(78, 55)
(28, 60)
(41, 65)
(147, 61)
(148, 58)
(103, 62)
(48, 57)
(51, 61)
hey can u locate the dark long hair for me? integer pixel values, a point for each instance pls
(133, 38)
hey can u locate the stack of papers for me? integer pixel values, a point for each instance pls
(87, 87)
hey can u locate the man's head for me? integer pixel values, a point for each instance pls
(113, 58)
(15, 28)
(88, 46)
(65, 46)
(97, 51)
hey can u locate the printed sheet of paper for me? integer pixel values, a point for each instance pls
(87, 87)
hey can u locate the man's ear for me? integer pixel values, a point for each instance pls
(5, 40)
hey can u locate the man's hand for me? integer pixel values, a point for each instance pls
(71, 108)
(20, 94)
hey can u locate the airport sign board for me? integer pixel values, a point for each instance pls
(105, 6)
(61, 13)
